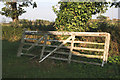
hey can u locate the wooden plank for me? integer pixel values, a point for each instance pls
(100, 34)
(89, 49)
(77, 54)
(86, 62)
(88, 42)
(87, 55)
(22, 44)
(57, 40)
(30, 31)
(28, 54)
(47, 45)
(30, 39)
(36, 43)
(56, 48)
(58, 58)
(28, 43)
(71, 49)
(77, 48)
(65, 53)
(78, 42)
(24, 48)
(43, 47)
(63, 59)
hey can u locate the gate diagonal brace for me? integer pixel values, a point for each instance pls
(67, 40)
(35, 43)
(45, 36)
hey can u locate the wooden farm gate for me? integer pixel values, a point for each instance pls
(44, 40)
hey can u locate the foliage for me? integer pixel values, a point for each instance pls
(15, 9)
(114, 59)
(73, 16)
(42, 25)
(12, 33)
(114, 31)
(116, 4)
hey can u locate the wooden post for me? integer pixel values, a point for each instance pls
(43, 46)
(21, 44)
(107, 46)
(71, 49)
(104, 54)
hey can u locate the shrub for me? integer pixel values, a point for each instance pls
(11, 34)
(114, 30)
(114, 59)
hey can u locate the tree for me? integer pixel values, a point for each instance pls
(73, 16)
(116, 3)
(15, 9)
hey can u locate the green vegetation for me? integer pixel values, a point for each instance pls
(14, 67)
(71, 17)
(14, 34)
(21, 67)
(11, 33)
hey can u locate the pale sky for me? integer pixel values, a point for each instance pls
(44, 11)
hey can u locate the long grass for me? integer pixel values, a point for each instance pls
(22, 67)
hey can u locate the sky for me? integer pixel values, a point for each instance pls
(44, 11)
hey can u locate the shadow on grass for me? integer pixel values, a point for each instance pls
(20, 67)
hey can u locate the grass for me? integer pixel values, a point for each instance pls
(21, 67)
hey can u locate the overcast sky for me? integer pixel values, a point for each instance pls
(44, 11)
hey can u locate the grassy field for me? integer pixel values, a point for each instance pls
(21, 67)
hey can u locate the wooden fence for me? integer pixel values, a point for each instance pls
(44, 38)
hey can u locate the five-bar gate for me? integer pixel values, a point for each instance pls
(44, 40)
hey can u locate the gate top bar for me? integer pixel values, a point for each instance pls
(67, 33)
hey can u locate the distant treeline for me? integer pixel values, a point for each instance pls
(32, 25)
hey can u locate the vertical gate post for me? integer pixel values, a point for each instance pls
(107, 45)
(21, 44)
(106, 48)
(45, 40)
(104, 54)
(71, 49)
